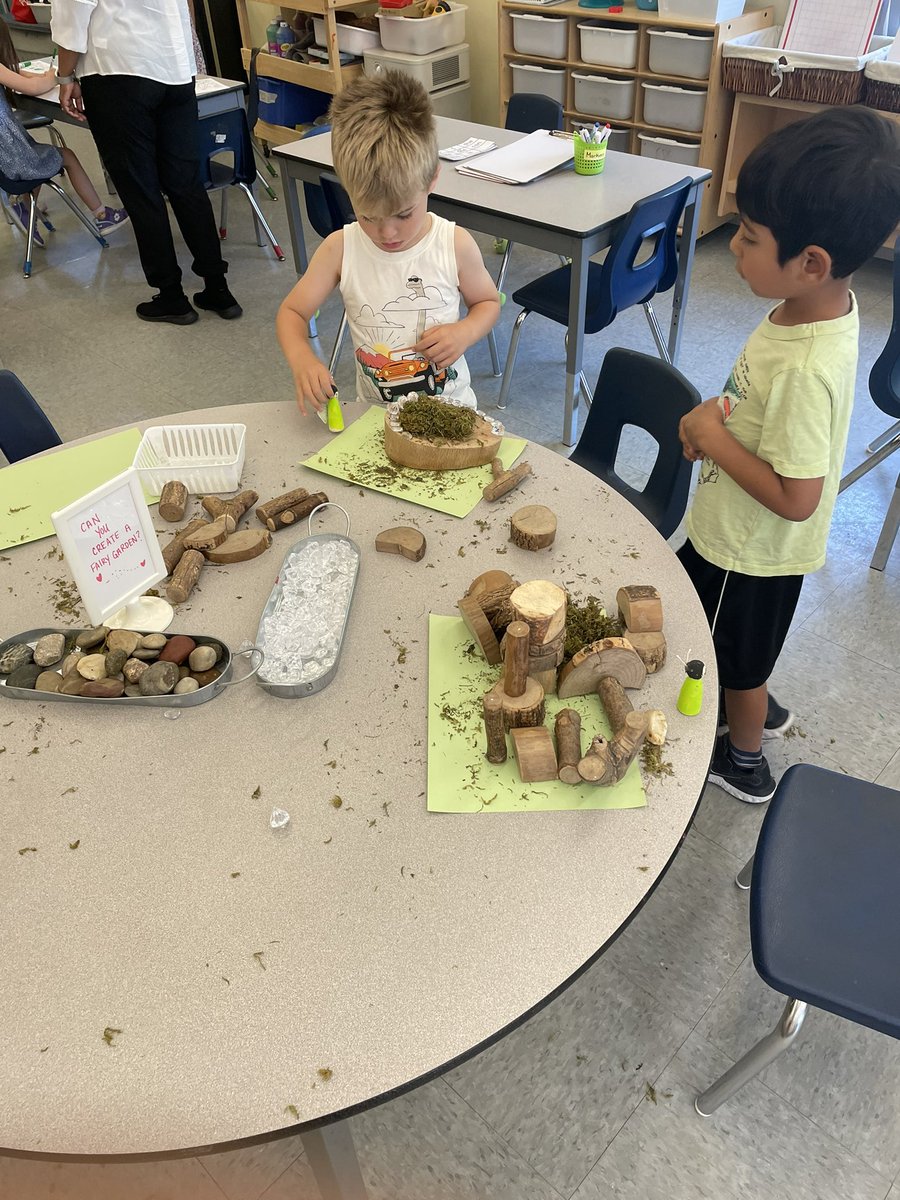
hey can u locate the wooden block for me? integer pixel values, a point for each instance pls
(640, 608)
(211, 535)
(542, 606)
(402, 539)
(533, 527)
(535, 755)
(651, 648)
(480, 628)
(524, 710)
(240, 546)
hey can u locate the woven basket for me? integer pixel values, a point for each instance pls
(883, 86)
(755, 64)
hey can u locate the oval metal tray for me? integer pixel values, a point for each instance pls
(187, 700)
(306, 687)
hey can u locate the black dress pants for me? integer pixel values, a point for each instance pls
(147, 136)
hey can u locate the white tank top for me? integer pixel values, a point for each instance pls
(391, 299)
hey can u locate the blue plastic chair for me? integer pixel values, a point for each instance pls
(228, 133)
(617, 283)
(884, 388)
(24, 427)
(823, 893)
(643, 391)
(24, 188)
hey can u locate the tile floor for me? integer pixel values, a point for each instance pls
(593, 1097)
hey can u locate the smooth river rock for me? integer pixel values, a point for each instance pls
(49, 649)
(17, 655)
(103, 689)
(48, 681)
(177, 648)
(203, 658)
(123, 639)
(91, 637)
(24, 676)
(158, 679)
(92, 666)
(186, 685)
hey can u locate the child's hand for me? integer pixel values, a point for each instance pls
(698, 427)
(314, 385)
(443, 344)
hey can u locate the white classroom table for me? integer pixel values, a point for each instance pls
(214, 95)
(568, 214)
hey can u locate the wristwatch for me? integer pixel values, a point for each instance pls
(60, 79)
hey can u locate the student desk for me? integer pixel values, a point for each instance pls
(211, 99)
(565, 213)
(376, 940)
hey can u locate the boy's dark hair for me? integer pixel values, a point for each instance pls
(832, 180)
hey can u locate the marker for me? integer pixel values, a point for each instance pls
(331, 414)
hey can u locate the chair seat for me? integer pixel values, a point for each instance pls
(549, 296)
(824, 896)
(33, 120)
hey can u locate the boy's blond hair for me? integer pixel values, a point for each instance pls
(384, 142)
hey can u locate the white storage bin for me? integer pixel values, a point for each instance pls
(604, 96)
(609, 45)
(544, 81)
(542, 36)
(702, 10)
(673, 52)
(205, 458)
(421, 35)
(350, 38)
(674, 107)
(670, 149)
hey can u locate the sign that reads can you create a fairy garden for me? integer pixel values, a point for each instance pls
(110, 545)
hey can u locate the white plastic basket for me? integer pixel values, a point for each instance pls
(675, 52)
(608, 45)
(670, 149)
(543, 81)
(422, 35)
(205, 458)
(604, 96)
(351, 39)
(542, 36)
(674, 107)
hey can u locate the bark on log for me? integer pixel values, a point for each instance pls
(211, 535)
(288, 516)
(241, 546)
(273, 507)
(568, 745)
(235, 508)
(607, 761)
(651, 649)
(516, 659)
(615, 703)
(173, 500)
(172, 551)
(494, 728)
(640, 608)
(532, 527)
(185, 576)
(505, 481)
(480, 629)
(524, 710)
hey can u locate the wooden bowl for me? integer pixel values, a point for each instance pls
(423, 455)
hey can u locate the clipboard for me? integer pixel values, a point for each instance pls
(529, 158)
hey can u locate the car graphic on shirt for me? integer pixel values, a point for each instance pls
(406, 371)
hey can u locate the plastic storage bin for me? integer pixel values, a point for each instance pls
(670, 149)
(282, 103)
(205, 458)
(673, 52)
(542, 36)
(702, 10)
(351, 39)
(421, 35)
(544, 81)
(609, 45)
(647, 5)
(604, 96)
(674, 107)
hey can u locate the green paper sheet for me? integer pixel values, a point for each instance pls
(358, 456)
(460, 779)
(31, 490)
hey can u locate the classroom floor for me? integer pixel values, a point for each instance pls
(593, 1097)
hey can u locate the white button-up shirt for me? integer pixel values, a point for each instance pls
(148, 38)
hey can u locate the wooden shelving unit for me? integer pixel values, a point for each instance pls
(713, 137)
(328, 77)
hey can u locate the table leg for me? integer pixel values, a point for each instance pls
(333, 1160)
(689, 224)
(575, 343)
(291, 190)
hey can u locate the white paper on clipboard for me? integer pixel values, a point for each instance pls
(842, 28)
(529, 158)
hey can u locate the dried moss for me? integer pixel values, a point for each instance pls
(586, 623)
(436, 421)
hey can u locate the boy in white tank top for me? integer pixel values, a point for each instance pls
(401, 270)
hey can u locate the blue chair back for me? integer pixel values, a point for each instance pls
(317, 209)
(884, 378)
(225, 133)
(644, 391)
(337, 200)
(527, 111)
(24, 427)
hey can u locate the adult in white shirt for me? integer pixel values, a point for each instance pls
(128, 67)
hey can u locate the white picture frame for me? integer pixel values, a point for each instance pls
(110, 545)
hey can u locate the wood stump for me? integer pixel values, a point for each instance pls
(402, 539)
(533, 527)
(173, 500)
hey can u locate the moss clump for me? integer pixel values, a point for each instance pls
(436, 421)
(586, 623)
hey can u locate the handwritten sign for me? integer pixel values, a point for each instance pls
(110, 545)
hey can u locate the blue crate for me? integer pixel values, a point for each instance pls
(289, 104)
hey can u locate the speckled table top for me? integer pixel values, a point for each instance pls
(258, 980)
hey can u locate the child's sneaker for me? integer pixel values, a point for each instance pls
(778, 720)
(753, 787)
(21, 210)
(113, 218)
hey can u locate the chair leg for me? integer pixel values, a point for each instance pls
(29, 241)
(223, 214)
(89, 226)
(338, 342)
(495, 357)
(504, 264)
(885, 450)
(883, 438)
(748, 1067)
(584, 389)
(661, 348)
(4, 204)
(57, 137)
(511, 358)
(270, 192)
(279, 253)
(742, 879)
(888, 534)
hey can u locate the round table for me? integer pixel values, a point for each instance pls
(261, 982)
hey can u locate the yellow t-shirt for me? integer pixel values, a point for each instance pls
(788, 400)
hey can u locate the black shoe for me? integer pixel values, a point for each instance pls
(218, 300)
(778, 720)
(753, 787)
(174, 309)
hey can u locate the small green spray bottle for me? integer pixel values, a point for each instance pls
(690, 698)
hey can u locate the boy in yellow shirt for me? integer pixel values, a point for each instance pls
(816, 200)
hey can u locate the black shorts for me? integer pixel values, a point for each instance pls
(753, 620)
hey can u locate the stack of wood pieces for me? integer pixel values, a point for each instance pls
(487, 611)
(640, 611)
(217, 540)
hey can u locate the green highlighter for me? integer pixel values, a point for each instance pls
(331, 414)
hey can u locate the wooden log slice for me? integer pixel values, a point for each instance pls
(240, 546)
(535, 756)
(532, 527)
(423, 455)
(651, 649)
(172, 551)
(640, 608)
(211, 535)
(480, 629)
(173, 500)
(402, 539)
(542, 606)
(610, 656)
(490, 581)
(519, 711)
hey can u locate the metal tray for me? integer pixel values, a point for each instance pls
(187, 700)
(307, 687)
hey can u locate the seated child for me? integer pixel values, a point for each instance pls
(21, 157)
(816, 200)
(401, 270)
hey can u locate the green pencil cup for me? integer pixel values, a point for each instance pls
(589, 157)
